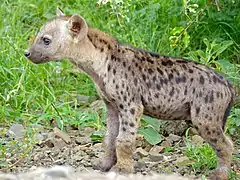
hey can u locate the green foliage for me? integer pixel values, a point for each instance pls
(203, 156)
(150, 130)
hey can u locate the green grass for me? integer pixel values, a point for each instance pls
(41, 93)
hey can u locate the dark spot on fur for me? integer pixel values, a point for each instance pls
(180, 79)
(176, 71)
(132, 111)
(214, 140)
(170, 76)
(144, 77)
(109, 67)
(171, 93)
(201, 80)
(158, 87)
(124, 64)
(132, 133)
(121, 106)
(154, 78)
(190, 71)
(150, 60)
(125, 98)
(117, 86)
(159, 70)
(167, 63)
(211, 97)
(148, 84)
(131, 124)
(206, 99)
(114, 71)
(197, 110)
(124, 129)
(156, 95)
(135, 81)
(150, 71)
(185, 91)
(193, 90)
(184, 66)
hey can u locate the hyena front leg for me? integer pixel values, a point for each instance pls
(125, 142)
(110, 158)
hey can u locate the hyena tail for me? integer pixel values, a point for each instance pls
(232, 102)
(226, 114)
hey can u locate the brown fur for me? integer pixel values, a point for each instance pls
(133, 82)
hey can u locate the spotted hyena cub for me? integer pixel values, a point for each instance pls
(133, 82)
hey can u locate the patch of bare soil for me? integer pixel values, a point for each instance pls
(76, 149)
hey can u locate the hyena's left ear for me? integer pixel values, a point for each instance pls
(59, 12)
(78, 27)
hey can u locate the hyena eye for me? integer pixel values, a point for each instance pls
(46, 41)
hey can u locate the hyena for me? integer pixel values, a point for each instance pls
(133, 82)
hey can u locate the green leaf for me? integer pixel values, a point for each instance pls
(151, 135)
(155, 123)
(218, 49)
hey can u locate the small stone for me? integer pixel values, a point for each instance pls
(141, 152)
(139, 140)
(172, 138)
(165, 144)
(183, 161)
(197, 140)
(83, 140)
(59, 143)
(157, 149)
(62, 135)
(156, 157)
(16, 130)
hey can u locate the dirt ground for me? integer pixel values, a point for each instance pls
(76, 149)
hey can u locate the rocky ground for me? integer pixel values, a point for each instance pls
(76, 149)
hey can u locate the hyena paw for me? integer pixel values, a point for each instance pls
(122, 169)
(218, 175)
(105, 164)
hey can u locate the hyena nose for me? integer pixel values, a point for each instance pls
(27, 53)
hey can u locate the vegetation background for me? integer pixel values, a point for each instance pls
(202, 30)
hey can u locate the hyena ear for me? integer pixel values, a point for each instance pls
(78, 27)
(59, 12)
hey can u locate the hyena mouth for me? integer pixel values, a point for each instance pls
(44, 57)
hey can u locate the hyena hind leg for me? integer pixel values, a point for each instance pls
(211, 130)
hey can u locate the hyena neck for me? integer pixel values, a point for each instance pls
(93, 55)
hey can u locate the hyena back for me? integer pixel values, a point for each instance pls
(133, 82)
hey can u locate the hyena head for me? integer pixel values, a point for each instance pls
(54, 40)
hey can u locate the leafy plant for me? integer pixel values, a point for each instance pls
(150, 130)
(203, 156)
